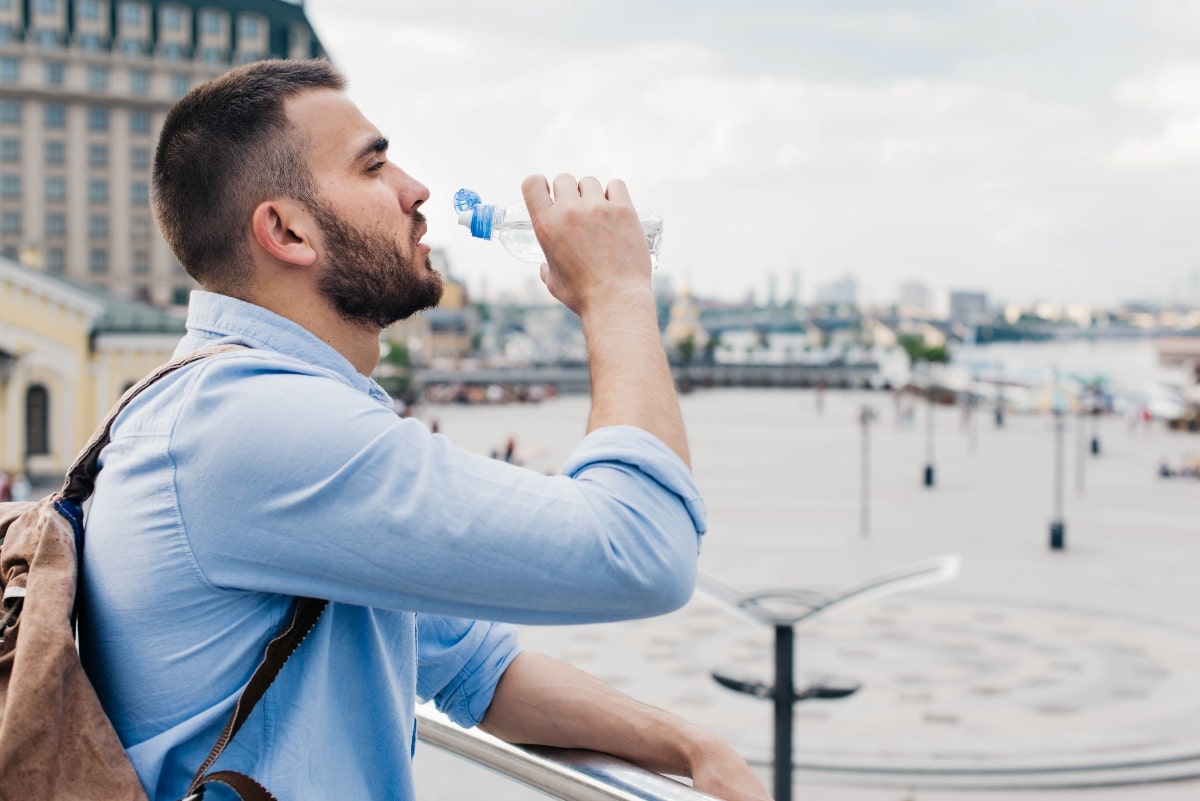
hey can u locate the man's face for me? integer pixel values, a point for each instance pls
(374, 269)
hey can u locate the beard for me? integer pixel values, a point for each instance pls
(367, 278)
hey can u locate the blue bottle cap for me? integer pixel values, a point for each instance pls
(466, 200)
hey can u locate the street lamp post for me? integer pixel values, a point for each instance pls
(783, 610)
(929, 480)
(1057, 527)
(865, 416)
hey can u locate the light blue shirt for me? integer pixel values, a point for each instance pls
(258, 475)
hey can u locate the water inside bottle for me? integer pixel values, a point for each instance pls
(518, 237)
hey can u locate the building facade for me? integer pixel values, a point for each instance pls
(67, 352)
(84, 88)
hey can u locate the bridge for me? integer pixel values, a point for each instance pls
(575, 379)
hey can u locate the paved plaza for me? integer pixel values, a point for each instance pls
(1035, 674)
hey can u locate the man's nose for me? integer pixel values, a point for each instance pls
(412, 192)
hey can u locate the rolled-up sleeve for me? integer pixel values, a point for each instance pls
(460, 662)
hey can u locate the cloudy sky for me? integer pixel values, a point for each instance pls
(1035, 149)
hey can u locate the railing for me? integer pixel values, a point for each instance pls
(569, 775)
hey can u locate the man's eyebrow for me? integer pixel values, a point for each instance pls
(377, 145)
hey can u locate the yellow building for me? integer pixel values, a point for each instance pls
(67, 352)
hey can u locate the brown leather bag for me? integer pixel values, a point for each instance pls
(56, 742)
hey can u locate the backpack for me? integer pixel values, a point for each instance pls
(56, 743)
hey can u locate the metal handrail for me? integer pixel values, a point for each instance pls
(569, 775)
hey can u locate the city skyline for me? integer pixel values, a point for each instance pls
(1028, 150)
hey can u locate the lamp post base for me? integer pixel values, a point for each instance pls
(1058, 535)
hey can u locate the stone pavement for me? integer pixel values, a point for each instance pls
(1036, 674)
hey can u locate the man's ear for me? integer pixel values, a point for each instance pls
(284, 228)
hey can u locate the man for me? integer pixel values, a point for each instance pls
(280, 470)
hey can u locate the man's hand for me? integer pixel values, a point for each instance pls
(596, 251)
(542, 701)
(598, 265)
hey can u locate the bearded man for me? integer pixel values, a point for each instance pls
(279, 470)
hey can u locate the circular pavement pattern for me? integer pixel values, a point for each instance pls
(955, 692)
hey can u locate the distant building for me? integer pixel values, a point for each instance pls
(968, 306)
(84, 88)
(842, 292)
(916, 299)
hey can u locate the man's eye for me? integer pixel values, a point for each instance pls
(376, 167)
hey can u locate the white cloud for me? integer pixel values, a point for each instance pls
(1172, 91)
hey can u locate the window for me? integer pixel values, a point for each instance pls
(97, 155)
(56, 224)
(10, 112)
(89, 42)
(139, 158)
(10, 223)
(173, 51)
(98, 190)
(56, 152)
(46, 38)
(140, 228)
(88, 9)
(213, 55)
(55, 115)
(97, 78)
(6, 5)
(141, 262)
(98, 226)
(10, 69)
(56, 188)
(97, 118)
(139, 193)
(10, 187)
(37, 420)
(171, 18)
(131, 13)
(210, 23)
(132, 48)
(56, 261)
(52, 72)
(98, 261)
(7, 33)
(10, 150)
(139, 121)
(47, 8)
(179, 84)
(248, 27)
(139, 82)
(179, 295)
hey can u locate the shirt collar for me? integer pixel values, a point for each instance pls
(219, 319)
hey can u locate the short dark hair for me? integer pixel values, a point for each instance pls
(225, 147)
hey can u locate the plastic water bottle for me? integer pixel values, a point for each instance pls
(512, 226)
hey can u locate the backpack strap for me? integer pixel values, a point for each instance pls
(80, 480)
(304, 618)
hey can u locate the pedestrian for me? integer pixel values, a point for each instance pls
(281, 470)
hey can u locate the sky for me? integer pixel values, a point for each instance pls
(1032, 149)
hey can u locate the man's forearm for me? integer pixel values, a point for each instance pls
(631, 379)
(542, 701)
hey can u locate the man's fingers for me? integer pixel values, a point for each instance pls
(536, 192)
(565, 187)
(618, 192)
(590, 188)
